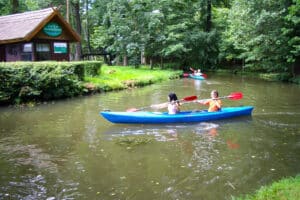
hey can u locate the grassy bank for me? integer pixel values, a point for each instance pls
(284, 77)
(118, 77)
(285, 189)
(30, 82)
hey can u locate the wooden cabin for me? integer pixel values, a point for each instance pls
(36, 36)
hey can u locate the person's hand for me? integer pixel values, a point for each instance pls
(153, 106)
(200, 101)
(217, 103)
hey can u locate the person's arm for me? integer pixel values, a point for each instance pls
(178, 106)
(159, 106)
(203, 102)
(218, 103)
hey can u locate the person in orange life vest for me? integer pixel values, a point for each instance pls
(214, 103)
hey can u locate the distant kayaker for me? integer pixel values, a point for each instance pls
(214, 103)
(198, 72)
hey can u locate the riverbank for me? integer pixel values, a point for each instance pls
(120, 77)
(34, 82)
(288, 189)
(282, 77)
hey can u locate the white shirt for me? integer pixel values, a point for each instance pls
(173, 108)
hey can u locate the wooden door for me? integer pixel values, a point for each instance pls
(2, 53)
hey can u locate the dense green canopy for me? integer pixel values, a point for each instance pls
(258, 35)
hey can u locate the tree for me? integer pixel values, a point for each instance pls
(292, 31)
(158, 29)
(76, 7)
(14, 6)
(255, 30)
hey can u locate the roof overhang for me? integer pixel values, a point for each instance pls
(53, 14)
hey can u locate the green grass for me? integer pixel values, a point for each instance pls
(285, 189)
(120, 77)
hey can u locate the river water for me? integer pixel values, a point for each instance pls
(65, 150)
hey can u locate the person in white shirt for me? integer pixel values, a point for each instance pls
(173, 106)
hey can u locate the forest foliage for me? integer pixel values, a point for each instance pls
(260, 36)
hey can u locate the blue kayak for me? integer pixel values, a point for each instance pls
(145, 117)
(196, 77)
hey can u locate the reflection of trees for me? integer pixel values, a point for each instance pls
(23, 166)
(29, 155)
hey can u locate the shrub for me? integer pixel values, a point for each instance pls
(25, 81)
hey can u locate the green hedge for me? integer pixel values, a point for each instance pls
(26, 81)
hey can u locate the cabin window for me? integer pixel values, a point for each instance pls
(60, 47)
(42, 47)
(26, 54)
(27, 47)
(43, 51)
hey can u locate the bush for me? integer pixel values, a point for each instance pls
(295, 80)
(92, 68)
(25, 81)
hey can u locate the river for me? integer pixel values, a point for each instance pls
(65, 150)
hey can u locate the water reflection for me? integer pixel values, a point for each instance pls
(65, 150)
(213, 132)
(160, 132)
(29, 155)
(232, 145)
(197, 84)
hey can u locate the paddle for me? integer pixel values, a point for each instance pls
(189, 98)
(232, 96)
(204, 75)
(185, 75)
(192, 70)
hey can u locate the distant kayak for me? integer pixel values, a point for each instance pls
(145, 117)
(198, 77)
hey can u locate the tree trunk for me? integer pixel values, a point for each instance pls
(125, 60)
(88, 26)
(208, 18)
(78, 50)
(151, 63)
(15, 6)
(143, 59)
(67, 11)
(161, 62)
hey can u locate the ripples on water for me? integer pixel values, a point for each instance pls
(202, 149)
(279, 119)
(66, 151)
(163, 134)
